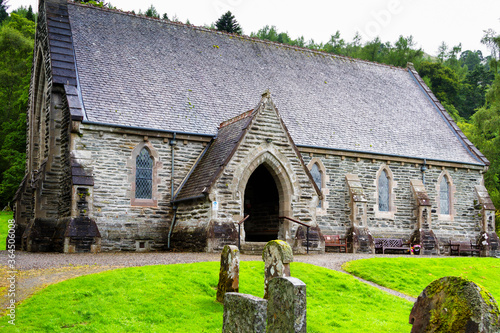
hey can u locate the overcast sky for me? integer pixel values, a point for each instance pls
(429, 21)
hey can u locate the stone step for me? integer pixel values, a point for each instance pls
(254, 248)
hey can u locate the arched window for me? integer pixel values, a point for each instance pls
(444, 196)
(383, 192)
(144, 175)
(317, 177)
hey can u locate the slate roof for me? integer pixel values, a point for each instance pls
(149, 73)
(213, 159)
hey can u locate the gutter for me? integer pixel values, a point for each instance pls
(87, 122)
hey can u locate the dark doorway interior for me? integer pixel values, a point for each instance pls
(262, 204)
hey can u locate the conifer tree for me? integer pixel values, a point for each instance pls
(228, 23)
(3, 10)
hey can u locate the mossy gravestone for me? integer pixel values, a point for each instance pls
(454, 304)
(229, 275)
(286, 307)
(244, 313)
(277, 256)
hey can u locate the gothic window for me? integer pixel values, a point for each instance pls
(383, 192)
(317, 177)
(444, 196)
(144, 175)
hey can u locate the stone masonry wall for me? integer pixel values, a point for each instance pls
(109, 154)
(466, 220)
(266, 141)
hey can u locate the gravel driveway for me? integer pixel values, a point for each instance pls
(37, 270)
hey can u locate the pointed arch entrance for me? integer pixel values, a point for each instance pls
(262, 205)
(272, 173)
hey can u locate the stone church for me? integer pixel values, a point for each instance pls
(148, 135)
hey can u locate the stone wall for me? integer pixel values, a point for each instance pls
(121, 225)
(465, 223)
(108, 151)
(267, 142)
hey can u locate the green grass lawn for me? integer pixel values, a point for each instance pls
(181, 298)
(4, 227)
(411, 275)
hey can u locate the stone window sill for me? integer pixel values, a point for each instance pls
(144, 202)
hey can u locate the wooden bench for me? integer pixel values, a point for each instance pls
(336, 241)
(457, 248)
(396, 244)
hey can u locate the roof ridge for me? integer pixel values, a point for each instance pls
(254, 39)
(239, 117)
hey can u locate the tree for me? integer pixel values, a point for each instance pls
(403, 52)
(228, 23)
(30, 15)
(492, 40)
(445, 83)
(152, 12)
(3, 11)
(471, 59)
(16, 54)
(484, 132)
(335, 45)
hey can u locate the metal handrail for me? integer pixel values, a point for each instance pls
(239, 231)
(301, 223)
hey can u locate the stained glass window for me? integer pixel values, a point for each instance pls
(317, 177)
(444, 196)
(383, 192)
(144, 175)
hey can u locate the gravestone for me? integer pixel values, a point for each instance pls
(244, 313)
(454, 304)
(277, 256)
(229, 275)
(286, 307)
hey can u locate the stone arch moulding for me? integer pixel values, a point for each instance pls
(392, 184)
(283, 175)
(325, 179)
(153, 202)
(451, 196)
(279, 168)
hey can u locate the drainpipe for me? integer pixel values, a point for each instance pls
(172, 146)
(171, 226)
(423, 169)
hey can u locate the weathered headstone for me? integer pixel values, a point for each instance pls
(229, 275)
(454, 304)
(244, 313)
(277, 256)
(286, 308)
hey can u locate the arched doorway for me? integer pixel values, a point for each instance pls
(261, 203)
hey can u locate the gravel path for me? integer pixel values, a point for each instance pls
(38, 270)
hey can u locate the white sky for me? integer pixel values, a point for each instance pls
(429, 21)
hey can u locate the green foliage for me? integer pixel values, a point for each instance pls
(152, 12)
(443, 79)
(228, 23)
(181, 298)
(410, 275)
(484, 132)
(4, 228)
(16, 53)
(99, 4)
(3, 11)
(492, 40)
